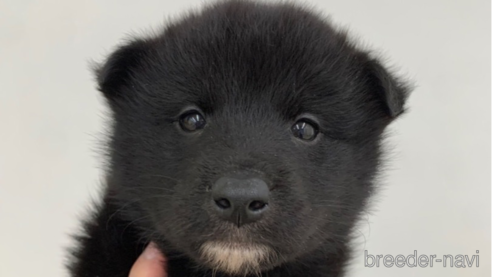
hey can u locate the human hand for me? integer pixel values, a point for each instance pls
(151, 263)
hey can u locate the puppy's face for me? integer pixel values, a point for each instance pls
(246, 147)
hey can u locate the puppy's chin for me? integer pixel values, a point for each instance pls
(235, 258)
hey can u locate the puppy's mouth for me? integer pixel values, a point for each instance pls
(237, 258)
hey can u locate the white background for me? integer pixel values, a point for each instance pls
(437, 194)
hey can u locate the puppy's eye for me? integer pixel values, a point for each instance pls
(192, 121)
(304, 130)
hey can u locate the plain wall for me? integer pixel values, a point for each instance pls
(436, 197)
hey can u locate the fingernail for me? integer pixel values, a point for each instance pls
(151, 252)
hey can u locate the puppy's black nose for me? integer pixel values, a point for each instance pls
(240, 199)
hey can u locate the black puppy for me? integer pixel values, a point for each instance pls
(245, 141)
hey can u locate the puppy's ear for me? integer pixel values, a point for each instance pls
(116, 73)
(391, 91)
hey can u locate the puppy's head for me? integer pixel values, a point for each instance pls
(247, 135)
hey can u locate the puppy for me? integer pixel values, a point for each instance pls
(245, 140)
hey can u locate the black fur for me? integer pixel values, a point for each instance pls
(252, 69)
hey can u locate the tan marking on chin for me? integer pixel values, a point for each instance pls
(236, 258)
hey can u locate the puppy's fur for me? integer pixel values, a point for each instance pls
(252, 70)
